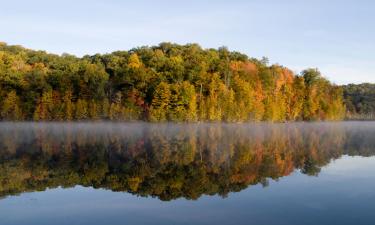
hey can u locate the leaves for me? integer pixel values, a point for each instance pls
(169, 82)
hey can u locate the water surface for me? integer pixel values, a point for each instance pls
(138, 173)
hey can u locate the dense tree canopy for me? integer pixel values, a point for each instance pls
(168, 82)
(360, 101)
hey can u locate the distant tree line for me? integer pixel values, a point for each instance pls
(168, 82)
(360, 101)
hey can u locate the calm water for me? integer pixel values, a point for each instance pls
(136, 173)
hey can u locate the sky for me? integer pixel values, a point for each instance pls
(336, 36)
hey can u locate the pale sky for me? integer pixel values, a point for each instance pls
(336, 36)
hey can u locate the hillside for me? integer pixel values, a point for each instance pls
(168, 82)
(360, 100)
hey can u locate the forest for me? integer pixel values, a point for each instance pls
(360, 101)
(168, 82)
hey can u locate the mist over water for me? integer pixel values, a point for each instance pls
(27, 132)
(188, 162)
(15, 136)
(136, 153)
(220, 138)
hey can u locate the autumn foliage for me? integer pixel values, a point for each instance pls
(168, 82)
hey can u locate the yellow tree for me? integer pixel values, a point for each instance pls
(297, 99)
(68, 106)
(183, 102)
(213, 109)
(116, 109)
(105, 106)
(283, 92)
(134, 61)
(45, 107)
(93, 110)
(314, 85)
(226, 103)
(245, 97)
(81, 110)
(160, 102)
(258, 101)
(190, 101)
(248, 91)
(336, 108)
(10, 109)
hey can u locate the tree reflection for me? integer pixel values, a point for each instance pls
(170, 161)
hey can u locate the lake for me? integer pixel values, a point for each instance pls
(139, 173)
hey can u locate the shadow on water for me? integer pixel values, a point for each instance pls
(170, 161)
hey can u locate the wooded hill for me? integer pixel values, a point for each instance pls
(360, 101)
(168, 82)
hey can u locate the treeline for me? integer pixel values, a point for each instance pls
(360, 101)
(168, 82)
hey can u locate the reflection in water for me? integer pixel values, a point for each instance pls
(170, 161)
